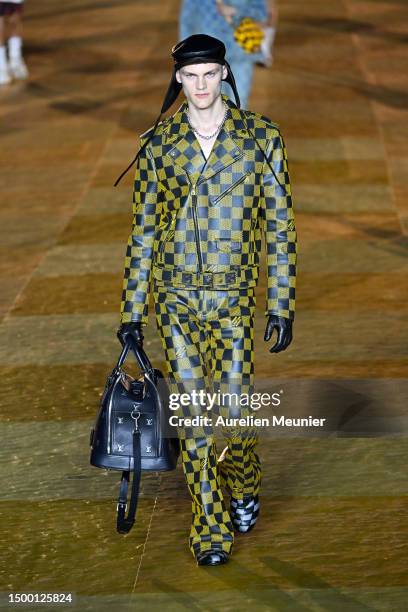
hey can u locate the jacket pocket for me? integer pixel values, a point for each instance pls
(216, 199)
(167, 233)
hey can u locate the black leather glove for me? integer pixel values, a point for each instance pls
(133, 329)
(284, 328)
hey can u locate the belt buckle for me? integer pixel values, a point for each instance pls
(186, 277)
(208, 279)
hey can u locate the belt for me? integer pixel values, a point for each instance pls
(204, 279)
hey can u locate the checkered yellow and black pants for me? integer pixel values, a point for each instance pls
(208, 340)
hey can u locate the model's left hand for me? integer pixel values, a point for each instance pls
(284, 328)
(132, 329)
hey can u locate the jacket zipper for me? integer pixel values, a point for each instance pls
(252, 236)
(196, 230)
(231, 187)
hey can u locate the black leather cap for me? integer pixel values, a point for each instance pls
(197, 49)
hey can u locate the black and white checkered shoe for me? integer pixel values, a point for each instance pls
(244, 513)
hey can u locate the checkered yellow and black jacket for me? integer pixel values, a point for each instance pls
(199, 223)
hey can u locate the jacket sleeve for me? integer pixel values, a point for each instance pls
(147, 202)
(279, 231)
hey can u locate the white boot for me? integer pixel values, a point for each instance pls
(17, 66)
(18, 69)
(5, 77)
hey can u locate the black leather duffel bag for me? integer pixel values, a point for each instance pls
(131, 427)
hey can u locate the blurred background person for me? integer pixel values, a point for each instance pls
(239, 24)
(12, 65)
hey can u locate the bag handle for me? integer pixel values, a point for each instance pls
(145, 365)
(140, 356)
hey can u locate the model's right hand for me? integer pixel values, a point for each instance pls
(133, 329)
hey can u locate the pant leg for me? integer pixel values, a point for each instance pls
(233, 372)
(186, 341)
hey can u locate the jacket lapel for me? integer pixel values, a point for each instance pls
(224, 153)
(229, 145)
(184, 149)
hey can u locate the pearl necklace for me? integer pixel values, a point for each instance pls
(216, 131)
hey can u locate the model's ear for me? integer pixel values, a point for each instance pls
(224, 72)
(178, 78)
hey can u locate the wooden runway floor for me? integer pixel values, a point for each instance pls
(333, 530)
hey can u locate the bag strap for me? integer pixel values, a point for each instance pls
(125, 523)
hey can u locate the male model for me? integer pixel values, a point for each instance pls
(210, 181)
